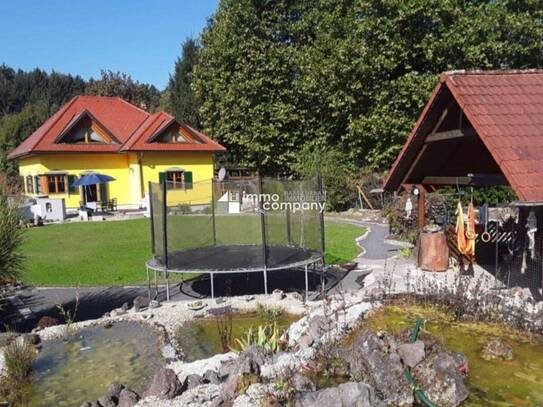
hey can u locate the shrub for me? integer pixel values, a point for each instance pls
(47, 321)
(11, 237)
(336, 173)
(18, 357)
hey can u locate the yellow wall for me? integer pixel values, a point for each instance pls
(126, 171)
(200, 164)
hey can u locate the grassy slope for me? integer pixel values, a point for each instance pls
(114, 253)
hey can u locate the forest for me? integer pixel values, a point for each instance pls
(286, 84)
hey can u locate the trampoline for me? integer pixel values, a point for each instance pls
(241, 226)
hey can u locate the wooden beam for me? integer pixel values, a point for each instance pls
(424, 145)
(450, 134)
(482, 180)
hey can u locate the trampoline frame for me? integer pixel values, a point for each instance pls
(161, 267)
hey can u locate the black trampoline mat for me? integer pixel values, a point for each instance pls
(239, 258)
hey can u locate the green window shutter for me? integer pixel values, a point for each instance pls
(188, 179)
(162, 177)
(71, 180)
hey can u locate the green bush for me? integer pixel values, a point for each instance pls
(336, 172)
(11, 239)
(18, 356)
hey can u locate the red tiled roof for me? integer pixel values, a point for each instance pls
(128, 124)
(506, 110)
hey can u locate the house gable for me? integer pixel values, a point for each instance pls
(496, 130)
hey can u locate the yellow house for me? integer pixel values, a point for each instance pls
(110, 136)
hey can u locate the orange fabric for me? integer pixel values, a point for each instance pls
(465, 234)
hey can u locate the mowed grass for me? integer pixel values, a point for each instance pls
(114, 253)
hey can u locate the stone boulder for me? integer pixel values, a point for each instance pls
(375, 359)
(249, 362)
(111, 396)
(32, 339)
(440, 377)
(210, 376)
(350, 394)
(140, 302)
(154, 304)
(412, 353)
(497, 349)
(128, 398)
(316, 328)
(165, 385)
(191, 381)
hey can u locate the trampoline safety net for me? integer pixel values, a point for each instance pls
(237, 225)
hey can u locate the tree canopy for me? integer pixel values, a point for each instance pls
(180, 98)
(276, 76)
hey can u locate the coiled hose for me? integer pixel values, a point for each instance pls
(419, 393)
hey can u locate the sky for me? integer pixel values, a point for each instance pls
(137, 37)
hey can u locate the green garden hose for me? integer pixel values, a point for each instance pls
(419, 393)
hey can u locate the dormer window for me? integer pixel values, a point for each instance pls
(175, 133)
(171, 136)
(86, 131)
(84, 135)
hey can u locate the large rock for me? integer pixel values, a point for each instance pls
(128, 398)
(439, 376)
(191, 381)
(375, 359)
(317, 326)
(32, 339)
(210, 376)
(345, 395)
(412, 353)
(165, 385)
(111, 396)
(497, 349)
(140, 302)
(249, 362)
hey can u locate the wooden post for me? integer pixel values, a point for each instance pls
(421, 207)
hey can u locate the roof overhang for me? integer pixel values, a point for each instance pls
(444, 148)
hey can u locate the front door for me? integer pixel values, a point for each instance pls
(90, 193)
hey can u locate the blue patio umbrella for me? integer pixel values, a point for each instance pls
(92, 178)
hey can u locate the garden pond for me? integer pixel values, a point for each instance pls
(67, 373)
(517, 382)
(199, 339)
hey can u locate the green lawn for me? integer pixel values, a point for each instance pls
(114, 253)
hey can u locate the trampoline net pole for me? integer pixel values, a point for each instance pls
(152, 218)
(167, 286)
(212, 285)
(148, 282)
(321, 216)
(289, 231)
(213, 212)
(263, 227)
(165, 222)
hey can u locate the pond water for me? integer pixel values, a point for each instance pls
(69, 373)
(518, 382)
(199, 339)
